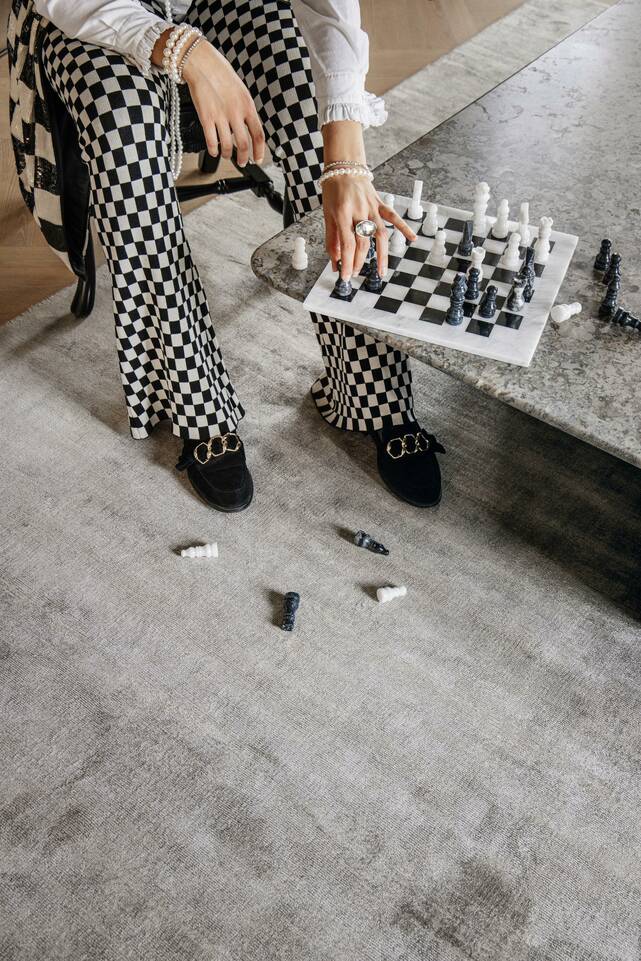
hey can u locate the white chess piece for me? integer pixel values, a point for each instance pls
(438, 254)
(481, 200)
(542, 246)
(563, 312)
(300, 261)
(385, 594)
(415, 210)
(501, 227)
(201, 550)
(430, 224)
(388, 200)
(524, 224)
(477, 258)
(511, 257)
(397, 243)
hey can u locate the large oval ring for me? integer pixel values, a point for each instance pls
(365, 228)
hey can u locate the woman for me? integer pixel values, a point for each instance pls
(253, 80)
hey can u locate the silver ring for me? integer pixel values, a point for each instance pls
(365, 228)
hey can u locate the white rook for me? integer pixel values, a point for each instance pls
(415, 211)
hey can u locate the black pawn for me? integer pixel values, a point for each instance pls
(621, 316)
(527, 267)
(602, 261)
(373, 282)
(528, 289)
(467, 244)
(342, 289)
(292, 600)
(516, 300)
(614, 269)
(473, 291)
(609, 303)
(455, 313)
(487, 307)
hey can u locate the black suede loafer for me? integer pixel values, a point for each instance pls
(406, 457)
(218, 472)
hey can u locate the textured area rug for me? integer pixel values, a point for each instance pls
(453, 776)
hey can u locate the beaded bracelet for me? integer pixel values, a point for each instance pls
(172, 39)
(345, 172)
(181, 65)
(177, 52)
(345, 163)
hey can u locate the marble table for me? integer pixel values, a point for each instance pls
(565, 134)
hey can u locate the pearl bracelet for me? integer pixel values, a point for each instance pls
(360, 171)
(177, 51)
(181, 65)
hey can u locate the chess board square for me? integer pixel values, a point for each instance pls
(469, 308)
(423, 242)
(444, 289)
(430, 272)
(433, 316)
(401, 278)
(420, 297)
(423, 283)
(410, 267)
(538, 269)
(393, 261)
(491, 260)
(456, 225)
(504, 276)
(439, 303)
(481, 327)
(494, 246)
(459, 264)
(451, 247)
(416, 253)
(388, 304)
(552, 245)
(506, 319)
(412, 311)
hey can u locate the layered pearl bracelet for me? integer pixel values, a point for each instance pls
(179, 46)
(345, 168)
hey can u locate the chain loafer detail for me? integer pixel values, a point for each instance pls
(407, 464)
(218, 472)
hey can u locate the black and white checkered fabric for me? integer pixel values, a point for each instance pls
(170, 361)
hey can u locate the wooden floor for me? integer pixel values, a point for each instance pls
(418, 32)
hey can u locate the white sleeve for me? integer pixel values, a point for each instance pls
(121, 25)
(339, 55)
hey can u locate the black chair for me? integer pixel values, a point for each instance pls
(74, 181)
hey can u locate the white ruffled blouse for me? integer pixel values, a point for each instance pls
(338, 47)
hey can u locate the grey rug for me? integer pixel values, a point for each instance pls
(453, 776)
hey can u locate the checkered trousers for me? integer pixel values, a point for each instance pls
(170, 361)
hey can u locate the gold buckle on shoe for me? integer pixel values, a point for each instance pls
(217, 446)
(417, 443)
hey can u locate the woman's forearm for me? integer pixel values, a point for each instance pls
(343, 140)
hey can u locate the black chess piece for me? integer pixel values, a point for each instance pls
(373, 282)
(473, 291)
(516, 299)
(621, 316)
(361, 539)
(342, 289)
(609, 302)
(602, 261)
(455, 313)
(467, 244)
(528, 289)
(527, 267)
(614, 268)
(487, 307)
(290, 606)
(633, 322)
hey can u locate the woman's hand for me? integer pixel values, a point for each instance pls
(347, 199)
(223, 103)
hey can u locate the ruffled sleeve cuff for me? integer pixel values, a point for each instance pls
(368, 110)
(140, 55)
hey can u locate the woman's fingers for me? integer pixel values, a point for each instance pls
(381, 247)
(362, 247)
(242, 141)
(257, 135)
(224, 138)
(211, 138)
(332, 244)
(392, 217)
(348, 248)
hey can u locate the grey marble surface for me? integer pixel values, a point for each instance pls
(565, 134)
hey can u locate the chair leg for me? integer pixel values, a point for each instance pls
(85, 295)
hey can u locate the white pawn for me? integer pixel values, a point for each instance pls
(415, 210)
(201, 550)
(524, 224)
(438, 254)
(511, 256)
(385, 594)
(563, 312)
(300, 261)
(430, 224)
(477, 257)
(501, 227)
(388, 200)
(542, 246)
(397, 243)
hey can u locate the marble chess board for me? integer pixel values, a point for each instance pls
(416, 293)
